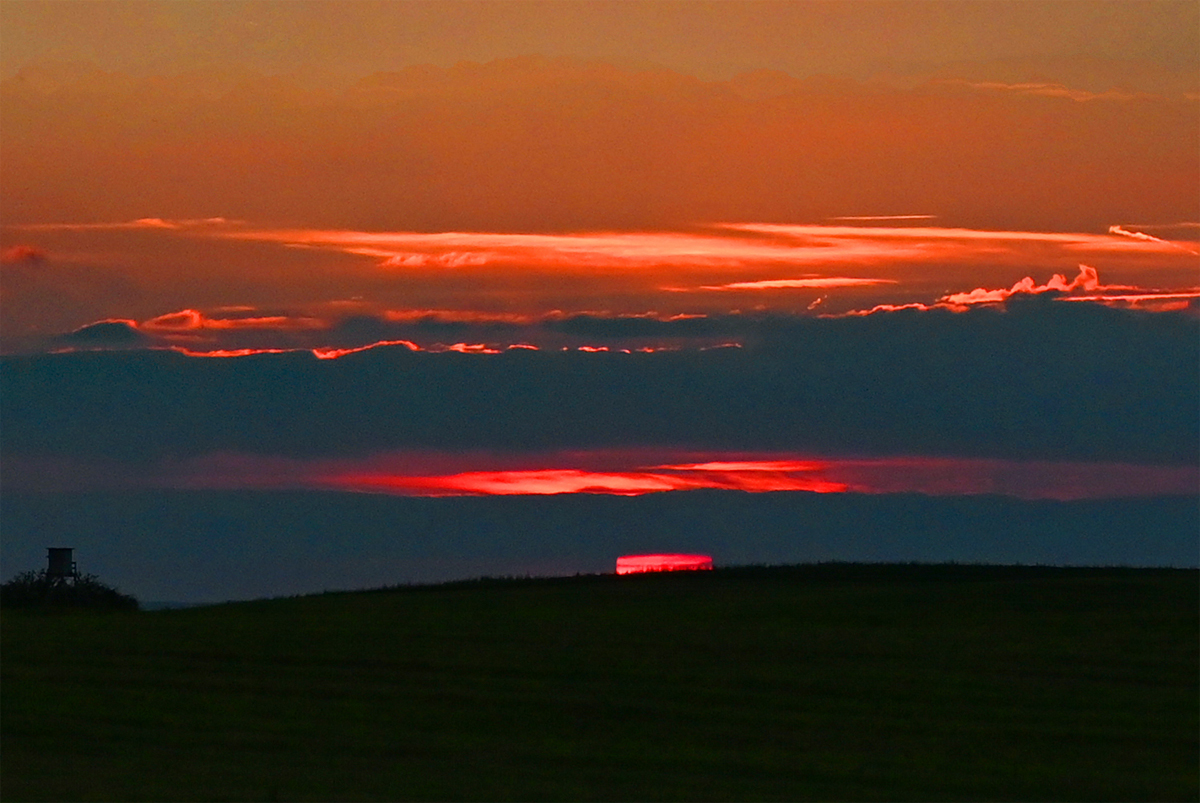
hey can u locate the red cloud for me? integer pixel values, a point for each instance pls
(189, 320)
(771, 473)
(1084, 287)
(29, 254)
(822, 282)
(723, 257)
(140, 223)
(563, 481)
(636, 472)
(1088, 279)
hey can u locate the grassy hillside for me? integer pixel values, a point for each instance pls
(212, 546)
(818, 682)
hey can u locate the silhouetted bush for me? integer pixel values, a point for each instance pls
(34, 589)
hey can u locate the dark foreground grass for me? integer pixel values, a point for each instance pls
(820, 682)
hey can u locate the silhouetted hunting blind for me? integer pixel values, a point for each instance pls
(61, 568)
(60, 585)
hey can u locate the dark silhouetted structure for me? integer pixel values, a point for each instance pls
(61, 568)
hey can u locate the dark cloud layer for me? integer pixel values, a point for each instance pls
(1039, 379)
(105, 334)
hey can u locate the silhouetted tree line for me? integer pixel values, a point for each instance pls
(35, 589)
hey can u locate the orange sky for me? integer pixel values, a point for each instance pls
(214, 284)
(1155, 42)
(535, 144)
(287, 161)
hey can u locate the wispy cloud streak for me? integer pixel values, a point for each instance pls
(823, 282)
(863, 218)
(1046, 89)
(522, 278)
(721, 245)
(151, 223)
(1150, 238)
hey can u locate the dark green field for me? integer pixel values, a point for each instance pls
(820, 682)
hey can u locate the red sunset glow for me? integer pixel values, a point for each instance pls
(935, 476)
(560, 481)
(660, 245)
(624, 473)
(510, 281)
(640, 564)
(405, 291)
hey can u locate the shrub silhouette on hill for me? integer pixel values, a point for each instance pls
(35, 589)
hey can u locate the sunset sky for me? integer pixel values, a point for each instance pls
(615, 247)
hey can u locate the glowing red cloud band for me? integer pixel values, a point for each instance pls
(462, 348)
(867, 218)
(457, 248)
(729, 256)
(803, 231)
(822, 283)
(709, 269)
(935, 476)
(334, 353)
(750, 465)
(616, 472)
(724, 247)
(639, 564)
(190, 320)
(569, 481)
